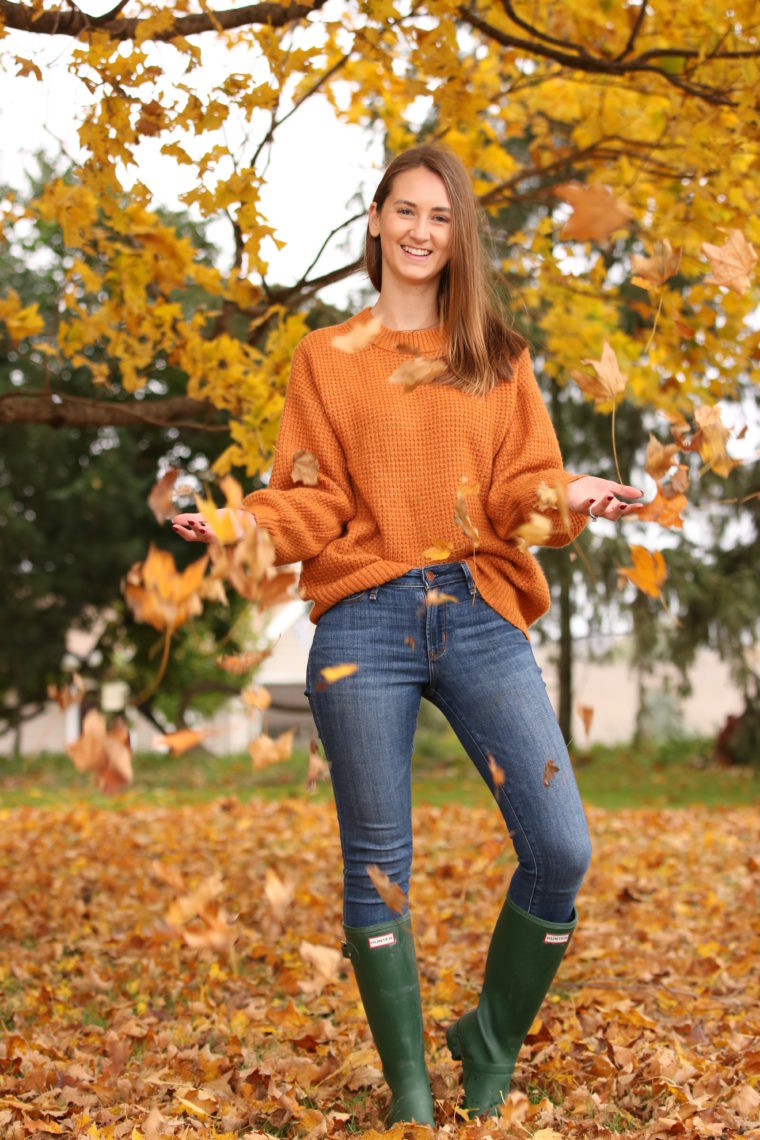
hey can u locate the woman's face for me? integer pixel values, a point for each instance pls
(414, 227)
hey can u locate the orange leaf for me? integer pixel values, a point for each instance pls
(648, 572)
(265, 752)
(391, 893)
(664, 510)
(436, 597)
(659, 458)
(462, 514)
(550, 771)
(257, 698)
(415, 371)
(305, 468)
(160, 596)
(586, 714)
(609, 381)
(161, 499)
(317, 769)
(359, 337)
(554, 498)
(438, 551)
(534, 532)
(239, 663)
(597, 213)
(333, 673)
(182, 740)
(652, 272)
(731, 263)
(497, 773)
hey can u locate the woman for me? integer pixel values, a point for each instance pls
(407, 555)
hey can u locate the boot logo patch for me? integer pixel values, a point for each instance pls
(378, 940)
(556, 939)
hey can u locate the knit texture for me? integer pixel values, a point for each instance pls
(391, 463)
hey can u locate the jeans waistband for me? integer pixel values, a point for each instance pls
(436, 576)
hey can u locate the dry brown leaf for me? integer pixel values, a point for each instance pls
(305, 468)
(437, 597)
(659, 458)
(438, 551)
(731, 263)
(70, 694)
(462, 514)
(224, 525)
(597, 213)
(265, 752)
(325, 962)
(160, 596)
(609, 382)
(713, 436)
(161, 497)
(182, 740)
(497, 773)
(679, 482)
(391, 893)
(278, 893)
(105, 751)
(333, 673)
(317, 769)
(239, 663)
(249, 568)
(189, 906)
(415, 371)
(550, 771)
(586, 713)
(257, 698)
(409, 640)
(534, 532)
(514, 1109)
(648, 572)
(554, 498)
(359, 337)
(652, 272)
(664, 510)
(215, 933)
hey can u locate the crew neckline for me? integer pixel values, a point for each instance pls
(429, 339)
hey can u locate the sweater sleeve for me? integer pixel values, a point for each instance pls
(529, 456)
(303, 519)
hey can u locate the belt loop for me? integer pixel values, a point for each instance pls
(373, 594)
(469, 578)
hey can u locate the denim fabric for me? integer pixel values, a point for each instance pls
(480, 672)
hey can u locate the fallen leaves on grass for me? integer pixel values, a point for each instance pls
(115, 1027)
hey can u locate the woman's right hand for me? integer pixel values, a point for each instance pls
(194, 528)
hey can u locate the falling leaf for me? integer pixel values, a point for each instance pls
(325, 962)
(221, 521)
(418, 370)
(514, 1109)
(586, 713)
(391, 893)
(278, 893)
(214, 933)
(359, 337)
(333, 673)
(67, 695)
(305, 468)
(534, 532)
(239, 663)
(161, 497)
(249, 568)
(438, 551)
(659, 458)
(160, 596)
(186, 908)
(462, 514)
(652, 272)
(713, 438)
(597, 213)
(436, 597)
(648, 572)
(550, 771)
(665, 510)
(409, 640)
(678, 484)
(497, 773)
(554, 498)
(317, 769)
(265, 752)
(609, 382)
(182, 740)
(105, 751)
(257, 698)
(731, 263)
(27, 67)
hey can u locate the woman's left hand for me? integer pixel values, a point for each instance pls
(601, 498)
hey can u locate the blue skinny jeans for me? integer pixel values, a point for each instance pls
(479, 670)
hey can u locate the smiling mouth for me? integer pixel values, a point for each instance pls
(413, 251)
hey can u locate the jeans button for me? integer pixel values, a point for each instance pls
(430, 575)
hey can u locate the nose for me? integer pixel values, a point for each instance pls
(421, 228)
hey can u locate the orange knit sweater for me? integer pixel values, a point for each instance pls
(391, 463)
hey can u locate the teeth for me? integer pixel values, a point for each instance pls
(414, 251)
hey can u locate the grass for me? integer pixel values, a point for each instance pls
(672, 774)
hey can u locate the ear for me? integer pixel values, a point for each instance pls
(374, 220)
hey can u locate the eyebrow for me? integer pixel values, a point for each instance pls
(436, 209)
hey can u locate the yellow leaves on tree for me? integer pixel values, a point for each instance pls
(20, 320)
(105, 751)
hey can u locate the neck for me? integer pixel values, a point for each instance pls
(406, 310)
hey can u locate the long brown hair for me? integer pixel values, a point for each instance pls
(480, 345)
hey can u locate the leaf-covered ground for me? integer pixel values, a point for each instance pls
(130, 1012)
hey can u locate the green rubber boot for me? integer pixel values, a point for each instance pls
(385, 966)
(524, 955)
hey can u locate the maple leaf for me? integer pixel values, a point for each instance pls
(418, 370)
(391, 893)
(317, 769)
(713, 436)
(648, 572)
(436, 597)
(221, 521)
(659, 458)
(239, 663)
(597, 213)
(665, 510)
(160, 596)
(550, 771)
(438, 551)
(105, 751)
(359, 337)
(609, 382)
(182, 740)
(257, 698)
(27, 67)
(265, 752)
(497, 773)
(305, 468)
(652, 272)
(586, 713)
(731, 263)
(161, 498)
(534, 532)
(333, 673)
(325, 961)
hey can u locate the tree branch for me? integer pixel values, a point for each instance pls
(74, 411)
(73, 23)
